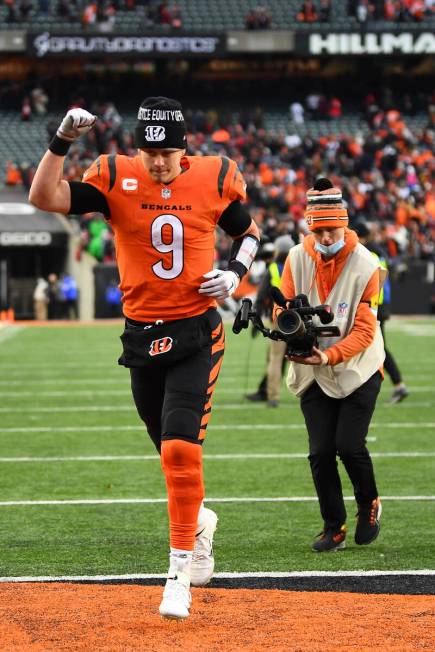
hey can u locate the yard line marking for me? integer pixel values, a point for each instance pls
(222, 576)
(121, 408)
(217, 456)
(7, 332)
(127, 392)
(237, 426)
(153, 501)
(254, 426)
(123, 382)
(65, 381)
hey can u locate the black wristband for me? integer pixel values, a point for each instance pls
(237, 267)
(59, 146)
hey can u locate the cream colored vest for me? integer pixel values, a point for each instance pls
(344, 378)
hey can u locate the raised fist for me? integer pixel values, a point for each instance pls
(76, 123)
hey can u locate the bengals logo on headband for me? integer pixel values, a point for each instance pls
(309, 219)
(163, 345)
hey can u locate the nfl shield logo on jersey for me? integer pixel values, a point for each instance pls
(166, 193)
(342, 310)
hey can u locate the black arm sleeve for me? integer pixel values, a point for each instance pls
(87, 199)
(235, 219)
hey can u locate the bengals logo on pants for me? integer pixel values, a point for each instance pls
(163, 345)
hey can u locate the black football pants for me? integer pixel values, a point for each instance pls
(339, 427)
(175, 401)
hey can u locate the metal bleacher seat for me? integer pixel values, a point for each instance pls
(206, 15)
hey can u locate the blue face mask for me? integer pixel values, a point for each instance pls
(330, 250)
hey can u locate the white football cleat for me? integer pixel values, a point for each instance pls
(176, 598)
(201, 570)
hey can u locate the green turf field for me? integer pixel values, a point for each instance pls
(69, 432)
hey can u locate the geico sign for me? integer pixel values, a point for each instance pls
(405, 43)
(27, 239)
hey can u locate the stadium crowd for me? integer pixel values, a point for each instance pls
(387, 172)
(94, 15)
(100, 15)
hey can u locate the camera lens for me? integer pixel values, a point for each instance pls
(290, 323)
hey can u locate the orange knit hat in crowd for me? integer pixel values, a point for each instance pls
(325, 206)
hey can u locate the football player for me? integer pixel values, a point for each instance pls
(164, 207)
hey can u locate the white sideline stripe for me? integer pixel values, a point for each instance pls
(9, 331)
(153, 501)
(218, 456)
(120, 408)
(127, 392)
(237, 426)
(223, 576)
(63, 381)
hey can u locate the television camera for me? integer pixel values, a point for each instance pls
(294, 323)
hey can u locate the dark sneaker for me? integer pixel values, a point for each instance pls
(399, 394)
(256, 396)
(367, 525)
(330, 540)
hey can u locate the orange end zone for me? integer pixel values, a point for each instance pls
(111, 618)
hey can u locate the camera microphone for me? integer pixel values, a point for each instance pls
(278, 297)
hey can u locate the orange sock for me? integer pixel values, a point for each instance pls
(182, 466)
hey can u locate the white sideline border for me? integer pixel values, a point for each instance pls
(211, 457)
(272, 575)
(153, 501)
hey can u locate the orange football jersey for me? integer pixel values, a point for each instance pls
(164, 234)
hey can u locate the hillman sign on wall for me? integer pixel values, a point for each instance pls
(368, 43)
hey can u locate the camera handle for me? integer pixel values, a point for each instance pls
(246, 314)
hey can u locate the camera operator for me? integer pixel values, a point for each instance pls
(339, 382)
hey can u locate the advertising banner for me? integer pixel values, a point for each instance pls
(365, 43)
(46, 45)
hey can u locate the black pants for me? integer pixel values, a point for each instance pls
(174, 401)
(340, 426)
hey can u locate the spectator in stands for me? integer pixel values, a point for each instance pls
(39, 100)
(364, 11)
(26, 110)
(12, 13)
(164, 14)
(324, 11)
(105, 18)
(66, 11)
(13, 174)
(25, 8)
(334, 109)
(176, 16)
(307, 12)
(258, 18)
(89, 15)
(297, 113)
(312, 103)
